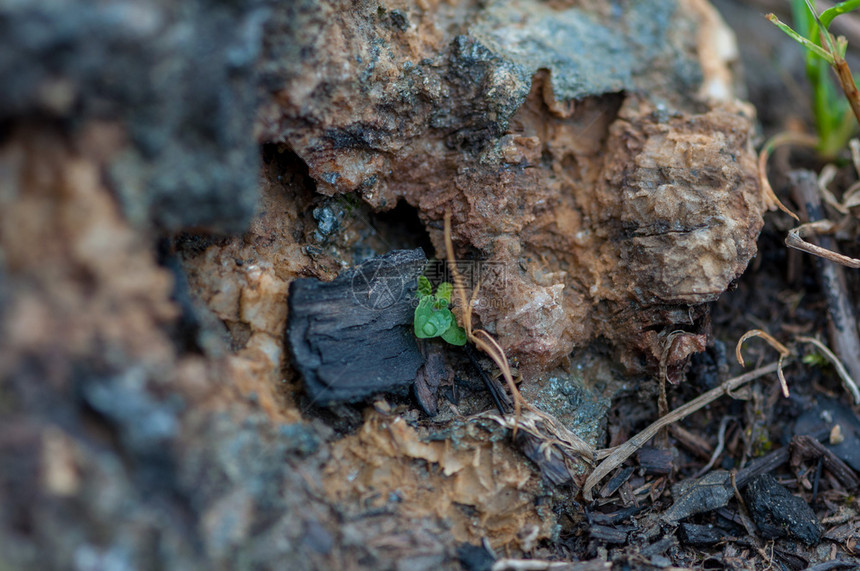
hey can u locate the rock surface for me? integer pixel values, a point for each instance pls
(615, 198)
(149, 416)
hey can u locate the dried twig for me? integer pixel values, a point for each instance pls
(771, 201)
(744, 512)
(806, 447)
(842, 321)
(619, 454)
(783, 353)
(795, 239)
(541, 425)
(721, 443)
(846, 80)
(847, 380)
(549, 430)
(480, 338)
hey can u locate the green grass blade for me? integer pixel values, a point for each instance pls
(803, 20)
(828, 15)
(817, 50)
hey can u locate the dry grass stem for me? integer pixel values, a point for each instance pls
(548, 429)
(480, 338)
(619, 454)
(825, 177)
(795, 239)
(783, 353)
(721, 444)
(536, 422)
(846, 80)
(771, 201)
(849, 383)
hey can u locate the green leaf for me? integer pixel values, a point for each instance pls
(424, 286)
(430, 322)
(455, 335)
(438, 323)
(422, 316)
(828, 15)
(817, 50)
(444, 292)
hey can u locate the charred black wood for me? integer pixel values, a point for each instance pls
(655, 460)
(696, 534)
(621, 476)
(549, 460)
(778, 513)
(615, 517)
(430, 375)
(806, 447)
(352, 337)
(608, 534)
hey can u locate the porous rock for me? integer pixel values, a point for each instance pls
(618, 199)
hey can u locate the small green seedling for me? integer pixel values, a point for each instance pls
(432, 316)
(815, 359)
(834, 124)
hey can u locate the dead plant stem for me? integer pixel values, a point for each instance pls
(621, 453)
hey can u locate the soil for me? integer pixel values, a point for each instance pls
(168, 348)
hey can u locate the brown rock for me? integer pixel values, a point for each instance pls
(615, 198)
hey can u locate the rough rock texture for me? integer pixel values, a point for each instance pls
(436, 474)
(149, 417)
(574, 145)
(178, 80)
(118, 449)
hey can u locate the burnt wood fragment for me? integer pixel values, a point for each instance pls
(608, 534)
(615, 517)
(655, 460)
(431, 375)
(621, 476)
(352, 337)
(549, 460)
(778, 513)
(806, 447)
(696, 534)
(697, 496)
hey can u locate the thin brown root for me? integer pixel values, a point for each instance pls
(795, 239)
(746, 520)
(488, 345)
(847, 381)
(480, 338)
(549, 430)
(457, 278)
(621, 453)
(771, 201)
(783, 353)
(721, 444)
(825, 177)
